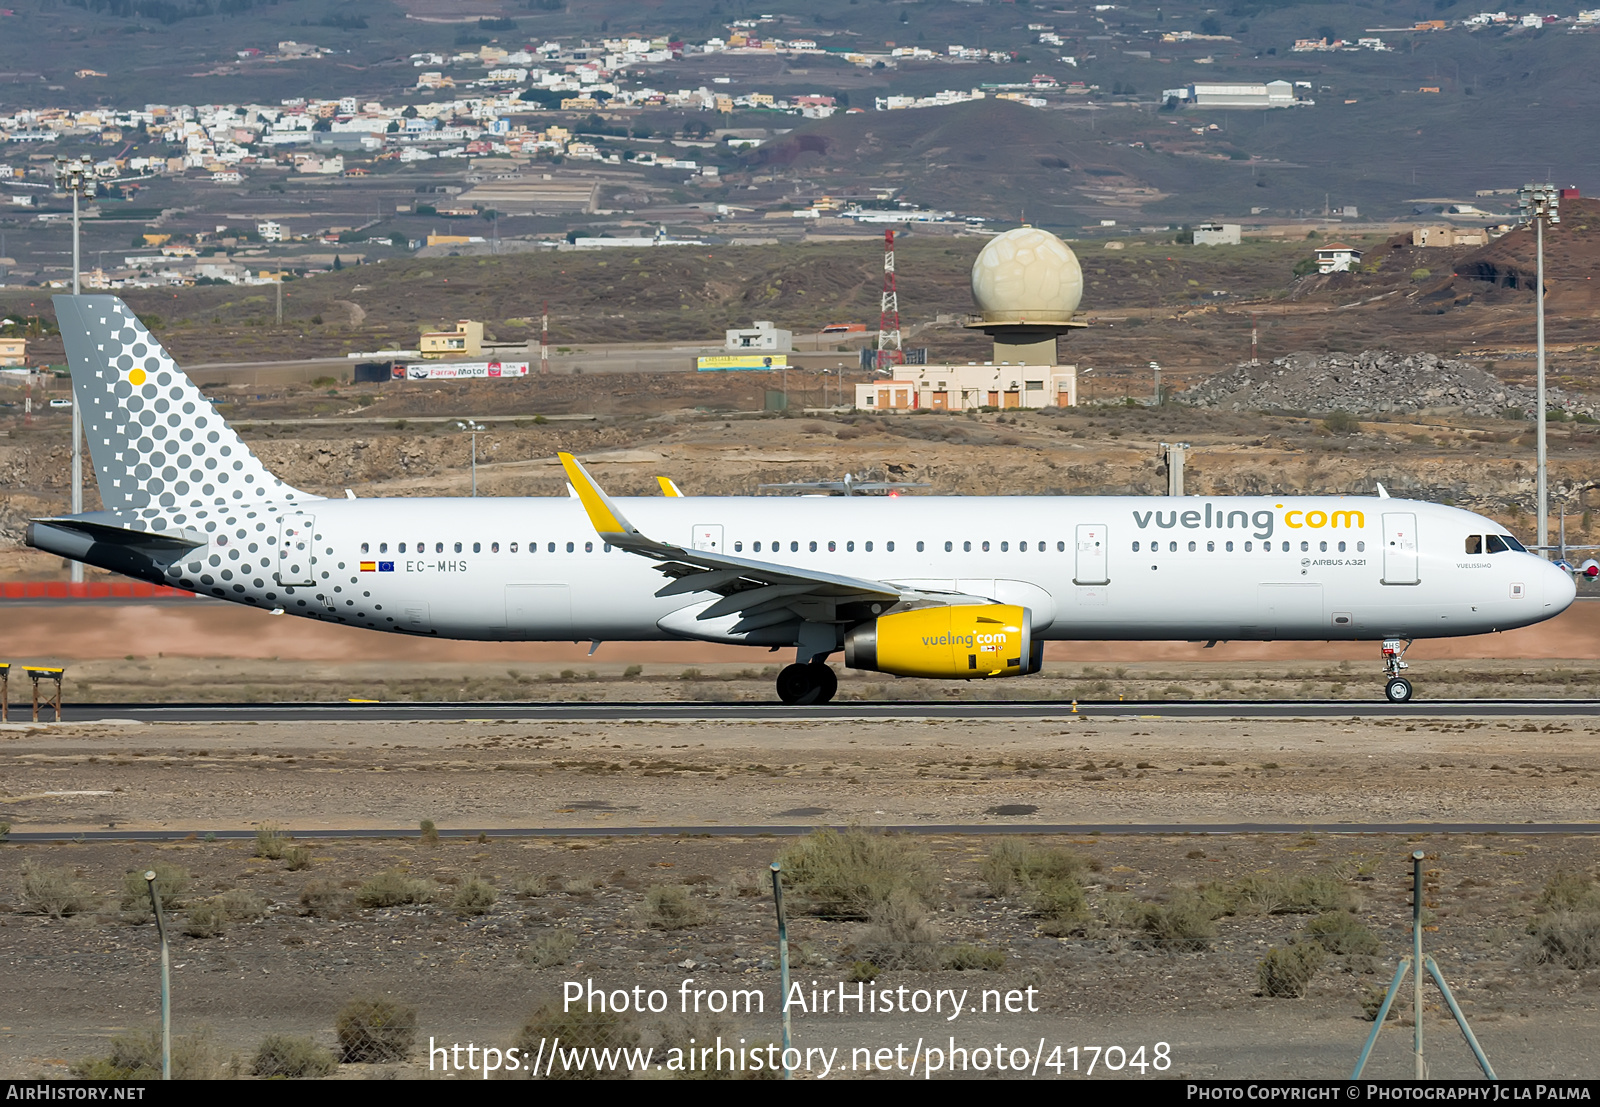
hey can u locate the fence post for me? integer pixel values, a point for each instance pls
(783, 963)
(166, 979)
(1420, 1068)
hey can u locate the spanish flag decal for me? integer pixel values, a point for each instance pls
(369, 566)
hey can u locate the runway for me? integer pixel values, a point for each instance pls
(758, 830)
(680, 711)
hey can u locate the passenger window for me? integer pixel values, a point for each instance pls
(364, 547)
(813, 546)
(868, 547)
(833, 547)
(1361, 547)
(438, 547)
(1211, 547)
(986, 547)
(551, 547)
(1249, 546)
(477, 547)
(966, 547)
(1061, 547)
(948, 547)
(738, 547)
(849, 547)
(606, 548)
(1322, 546)
(794, 547)
(1191, 547)
(588, 547)
(1172, 547)
(1022, 547)
(1474, 543)
(890, 546)
(1341, 547)
(402, 547)
(1005, 547)
(1136, 547)
(458, 547)
(1286, 547)
(1041, 547)
(494, 547)
(756, 547)
(1228, 546)
(383, 547)
(513, 547)
(569, 547)
(1304, 546)
(919, 546)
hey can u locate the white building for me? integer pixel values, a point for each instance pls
(761, 335)
(271, 232)
(1336, 257)
(1273, 94)
(968, 387)
(1216, 234)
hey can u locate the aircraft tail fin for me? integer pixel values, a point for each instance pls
(162, 454)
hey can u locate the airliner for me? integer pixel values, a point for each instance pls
(958, 588)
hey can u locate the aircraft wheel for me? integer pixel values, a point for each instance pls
(826, 679)
(798, 684)
(1398, 690)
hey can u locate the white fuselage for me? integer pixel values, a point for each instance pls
(1152, 568)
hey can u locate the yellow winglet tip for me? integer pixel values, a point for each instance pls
(601, 516)
(668, 488)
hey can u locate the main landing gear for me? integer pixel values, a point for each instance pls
(813, 682)
(1398, 690)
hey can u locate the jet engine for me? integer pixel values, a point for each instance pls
(958, 642)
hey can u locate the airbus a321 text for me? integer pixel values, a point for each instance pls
(930, 586)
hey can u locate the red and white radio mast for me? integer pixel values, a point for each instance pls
(544, 339)
(889, 350)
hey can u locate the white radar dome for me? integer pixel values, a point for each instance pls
(1027, 276)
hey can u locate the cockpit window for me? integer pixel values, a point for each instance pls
(1500, 543)
(1474, 543)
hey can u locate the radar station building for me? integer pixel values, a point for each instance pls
(1026, 285)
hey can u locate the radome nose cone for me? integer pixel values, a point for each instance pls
(1560, 589)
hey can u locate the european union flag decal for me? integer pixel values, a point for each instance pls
(385, 566)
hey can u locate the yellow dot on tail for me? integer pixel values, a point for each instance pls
(136, 377)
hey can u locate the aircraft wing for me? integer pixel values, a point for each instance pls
(747, 587)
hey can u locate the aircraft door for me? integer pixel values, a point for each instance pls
(1091, 556)
(708, 537)
(1399, 548)
(297, 555)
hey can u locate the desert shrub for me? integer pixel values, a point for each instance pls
(430, 834)
(1342, 422)
(296, 858)
(900, 934)
(322, 898)
(579, 1030)
(549, 950)
(1185, 923)
(1275, 894)
(846, 875)
(375, 1029)
(270, 843)
(287, 1055)
(1568, 891)
(53, 892)
(392, 888)
(863, 972)
(1372, 1002)
(964, 955)
(171, 882)
(1570, 938)
(1014, 864)
(1342, 934)
(474, 897)
(1287, 973)
(1120, 910)
(670, 907)
(206, 920)
(137, 1056)
(1060, 902)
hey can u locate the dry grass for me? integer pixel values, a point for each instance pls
(1287, 973)
(474, 897)
(549, 950)
(901, 935)
(1343, 935)
(270, 842)
(671, 907)
(53, 892)
(294, 1057)
(578, 1030)
(393, 888)
(137, 1056)
(1186, 923)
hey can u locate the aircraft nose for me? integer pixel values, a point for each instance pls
(1560, 589)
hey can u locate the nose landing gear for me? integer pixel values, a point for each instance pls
(1398, 689)
(813, 682)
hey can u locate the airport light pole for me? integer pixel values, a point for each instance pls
(76, 175)
(1541, 204)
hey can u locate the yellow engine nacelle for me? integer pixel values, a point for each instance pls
(961, 642)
